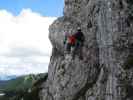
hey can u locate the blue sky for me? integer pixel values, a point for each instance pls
(44, 7)
(24, 44)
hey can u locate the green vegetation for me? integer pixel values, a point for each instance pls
(26, 87)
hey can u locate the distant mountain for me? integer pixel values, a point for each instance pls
(2, 83)
(7, 77)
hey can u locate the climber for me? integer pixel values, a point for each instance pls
(67, 45)
(80, 38)
(69, 42)
(72, 41)
(66, 36)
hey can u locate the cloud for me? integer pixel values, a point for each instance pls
(24, 42)
(27, 29)
(25, 52)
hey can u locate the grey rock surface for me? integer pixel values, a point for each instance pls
(106, 70)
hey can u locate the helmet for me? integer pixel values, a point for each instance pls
(79, 29)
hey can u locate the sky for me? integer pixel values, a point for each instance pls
(24, 44)
(44, 7)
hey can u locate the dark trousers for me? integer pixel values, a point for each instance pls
(74, 49)
(69, 47)
(78, 49)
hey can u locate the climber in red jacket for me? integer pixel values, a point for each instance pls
(74, 43)
(69, 42)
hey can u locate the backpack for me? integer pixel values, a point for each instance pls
(72, 39)
(79, 36)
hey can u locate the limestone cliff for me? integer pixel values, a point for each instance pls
(106, 70)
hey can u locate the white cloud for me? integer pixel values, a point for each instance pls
(24, 40)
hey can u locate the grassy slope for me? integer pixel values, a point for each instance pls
(20, 83)
(17, 88)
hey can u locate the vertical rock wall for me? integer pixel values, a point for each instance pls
(105, 72)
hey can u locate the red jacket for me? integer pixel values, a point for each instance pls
(71, 39)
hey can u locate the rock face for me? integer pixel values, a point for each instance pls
(106, 70)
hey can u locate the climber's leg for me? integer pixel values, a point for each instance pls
(80, 53)
(68, 48)
(65, 48)
(80, 47)
(73, 51)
